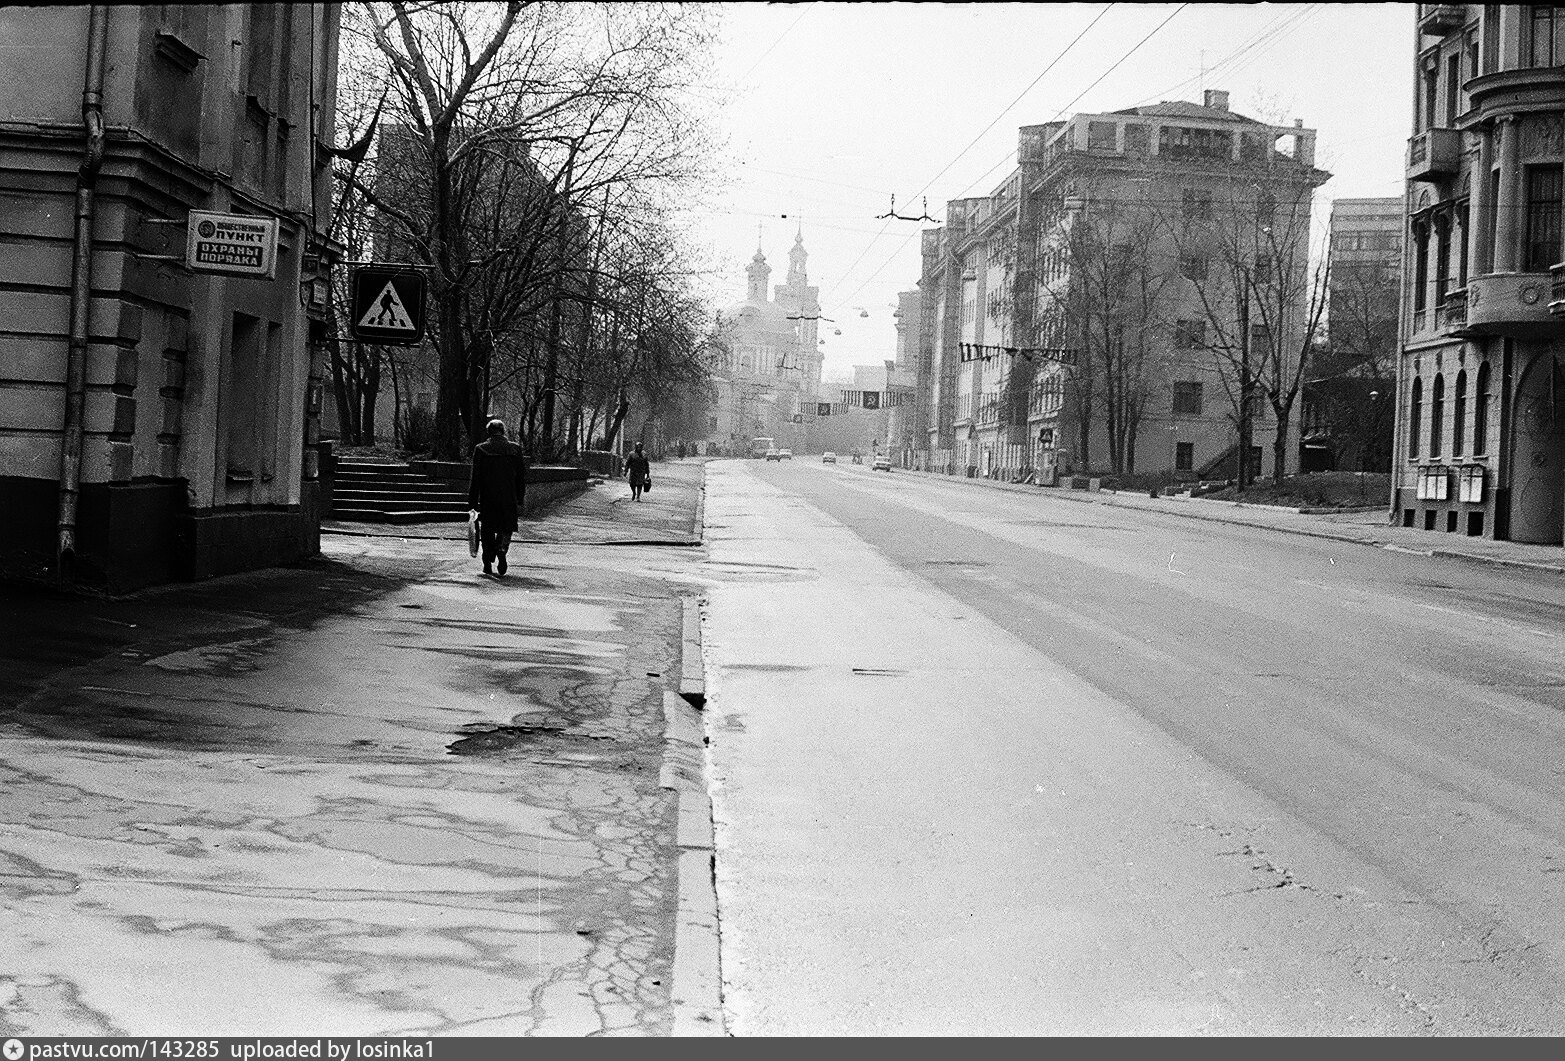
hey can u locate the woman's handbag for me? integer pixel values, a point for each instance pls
(472, 533)
(646, 485)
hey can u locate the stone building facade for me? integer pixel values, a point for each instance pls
(157, 422)
(1015, 287)
(1480, 432)
(768, 370)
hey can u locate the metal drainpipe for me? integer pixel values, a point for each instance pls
(81, 287)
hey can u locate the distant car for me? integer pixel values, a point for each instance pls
(785, 454)
(882, 464)
(828, 457)
(774, 454)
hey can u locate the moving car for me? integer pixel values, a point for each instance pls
(828, 457)
(785, 454)
(882, 464)
(774, 454)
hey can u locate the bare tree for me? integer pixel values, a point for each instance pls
(511, 119)
(1355, 364)
(1246, 253)
(1104, 277)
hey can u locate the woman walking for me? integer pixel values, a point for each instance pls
(639, 469)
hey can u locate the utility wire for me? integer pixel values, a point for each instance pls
(1063, 52)
(1117, 63)
(1063, 110)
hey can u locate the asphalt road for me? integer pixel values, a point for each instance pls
(996, 762)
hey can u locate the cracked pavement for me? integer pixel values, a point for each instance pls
(377, 793)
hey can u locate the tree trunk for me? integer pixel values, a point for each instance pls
(369, 393)
(1284, 413)
(1246, 391)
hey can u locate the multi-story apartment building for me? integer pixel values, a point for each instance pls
(1349, 401)
(1119, 241)
(1480, 435)
(156, 419)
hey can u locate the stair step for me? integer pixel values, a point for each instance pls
(398, 489)
(366, 515)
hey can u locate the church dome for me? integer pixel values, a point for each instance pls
(766, 314)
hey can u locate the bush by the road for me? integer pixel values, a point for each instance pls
(1316, 490)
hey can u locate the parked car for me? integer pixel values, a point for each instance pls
(785, 454)
(882, 464)
(774, 454)
(828, 457)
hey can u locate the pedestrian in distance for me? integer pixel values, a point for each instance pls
(496, 492)
(639, 470)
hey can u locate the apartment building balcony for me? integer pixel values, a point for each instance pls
(1522, 90)
(1439, 19)
(1516, 305)
(1434, 153)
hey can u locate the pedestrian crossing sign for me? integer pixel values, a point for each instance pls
(388, 304)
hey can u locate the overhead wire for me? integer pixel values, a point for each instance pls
(1117, 63)
(1008, 107)
(1101, 77)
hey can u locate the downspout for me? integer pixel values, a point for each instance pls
(81, 288)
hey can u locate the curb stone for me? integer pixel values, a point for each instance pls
(696, 989)
(692, 678)
(1106, 497)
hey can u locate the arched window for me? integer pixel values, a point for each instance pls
(1415, 413)
(1436, 414)
(1481, 412)
(1459, 414)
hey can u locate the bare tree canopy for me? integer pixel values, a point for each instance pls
(524, 155)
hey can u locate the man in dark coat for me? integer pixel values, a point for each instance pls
(496, 490)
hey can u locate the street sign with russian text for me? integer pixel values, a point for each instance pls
(235, 244)
(388, 304)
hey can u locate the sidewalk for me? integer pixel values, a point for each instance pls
(377, 793)
(1369, 527)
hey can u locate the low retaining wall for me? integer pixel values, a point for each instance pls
(547, 484)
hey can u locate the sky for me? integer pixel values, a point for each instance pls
(828, 110)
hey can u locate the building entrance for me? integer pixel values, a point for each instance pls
(1539, 455)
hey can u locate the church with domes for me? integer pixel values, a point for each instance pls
(767, 369)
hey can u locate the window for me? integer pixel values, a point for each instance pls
(1414, 414)
(1184, 456)
(1461, 244)
(1260, 339)
(1265, 208)
(1431, 83)
(1459, 415)
(1178, 142)
(1420, 266)
(1101, 136)
(1190, 335)
(1193, 267)
(1198, 204)
(1546, 36)
(1187, 398)
(1138, 140)
(1263, 269)
(1543, 218)
(1442, 258)
(1491, 39)
(1453, 84)
(1436, 414)
(1472, 53)
(1481, 412)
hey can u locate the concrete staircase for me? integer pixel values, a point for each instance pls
(370, 490)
